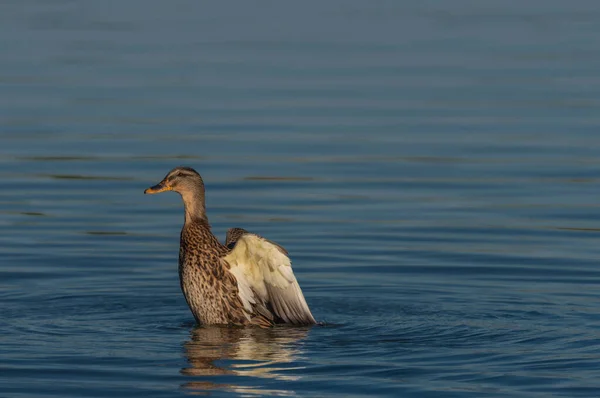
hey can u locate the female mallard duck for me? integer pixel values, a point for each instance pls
(248, 281)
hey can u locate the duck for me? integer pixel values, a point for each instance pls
(248, 281)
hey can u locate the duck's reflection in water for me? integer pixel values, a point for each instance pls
(249, 352)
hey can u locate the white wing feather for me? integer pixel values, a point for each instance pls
(262, 269)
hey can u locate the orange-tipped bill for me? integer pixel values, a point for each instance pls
(158, 188)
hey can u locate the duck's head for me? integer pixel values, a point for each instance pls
(188, 183)
(181, 180)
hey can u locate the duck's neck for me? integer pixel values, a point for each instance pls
(193, 201)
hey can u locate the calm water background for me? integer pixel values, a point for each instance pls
(432, 169)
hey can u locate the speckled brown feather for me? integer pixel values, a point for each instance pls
(209, 288)
(233, 234)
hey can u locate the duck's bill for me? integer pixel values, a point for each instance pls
(158, 188)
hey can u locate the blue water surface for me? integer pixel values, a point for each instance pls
(432, 168)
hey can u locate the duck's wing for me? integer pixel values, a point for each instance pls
(265, 278)
(233, 234)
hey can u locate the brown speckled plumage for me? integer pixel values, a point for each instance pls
(233, 234)
(209, 289)
(207, 279)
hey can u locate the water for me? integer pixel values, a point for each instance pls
(432, 168)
